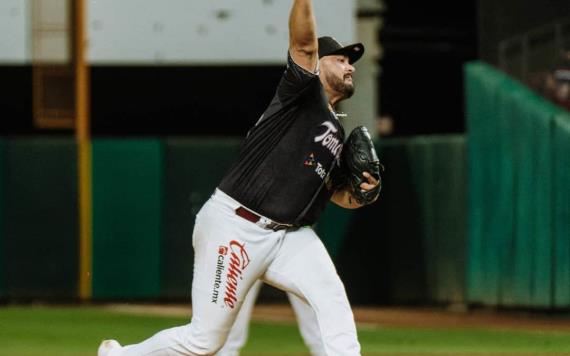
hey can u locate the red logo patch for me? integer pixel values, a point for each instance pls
(223, 250)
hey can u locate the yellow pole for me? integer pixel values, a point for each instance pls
(82, 134)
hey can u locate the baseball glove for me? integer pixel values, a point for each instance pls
(358, 156)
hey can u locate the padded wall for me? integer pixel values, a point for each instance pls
(409, 246)
(127, 205)
(561, 212)
(193, 169)
(2, 233)
(41, 219)
(515, 164)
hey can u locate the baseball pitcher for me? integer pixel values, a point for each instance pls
(256, 225)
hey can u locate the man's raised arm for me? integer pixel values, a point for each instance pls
(303, 45)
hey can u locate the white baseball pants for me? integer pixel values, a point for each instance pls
(230, 254)
(306, 319)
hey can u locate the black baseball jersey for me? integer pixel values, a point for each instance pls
(286, 157)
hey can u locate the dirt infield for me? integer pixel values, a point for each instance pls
(390, 317)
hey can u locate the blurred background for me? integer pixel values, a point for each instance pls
(119, 118)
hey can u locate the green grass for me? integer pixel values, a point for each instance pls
(77, 331)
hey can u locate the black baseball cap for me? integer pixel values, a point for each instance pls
(329, 46)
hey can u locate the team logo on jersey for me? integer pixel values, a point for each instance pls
(319, 169)
(328, 138)
(309, 162)
(238, 262)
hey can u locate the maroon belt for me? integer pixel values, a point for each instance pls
(254, 218)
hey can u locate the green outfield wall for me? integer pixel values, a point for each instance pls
(2, 233)
(476, 219)
(127, 218)
(504, 241)
(518, 207)
(40, 218)
(407, 247)
(561, 210)
(192, 169)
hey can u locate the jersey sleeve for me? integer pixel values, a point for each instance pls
(294, 80)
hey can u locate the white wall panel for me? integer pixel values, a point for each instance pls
(203, 31)
(14, 32)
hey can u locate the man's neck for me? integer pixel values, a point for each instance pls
(333, 100)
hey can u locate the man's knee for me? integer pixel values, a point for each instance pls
(210, 346)
(204, 342)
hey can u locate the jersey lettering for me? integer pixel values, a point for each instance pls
(329, 140)
(320, 170)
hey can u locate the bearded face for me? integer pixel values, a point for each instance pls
(342, 84)
(336, 75)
